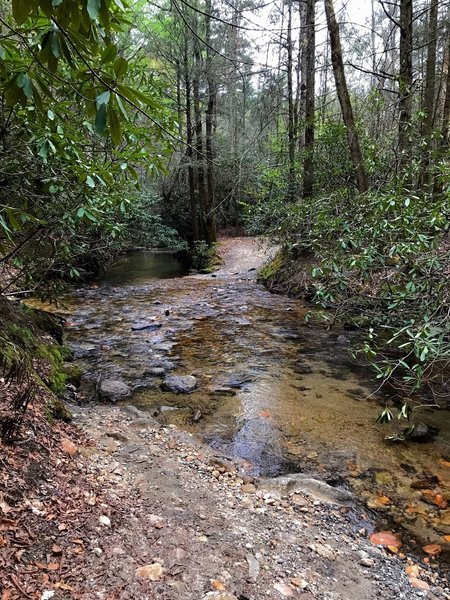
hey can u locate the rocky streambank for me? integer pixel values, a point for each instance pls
(194, 525)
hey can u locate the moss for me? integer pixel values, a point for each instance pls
(54, 355)
(73, 374)
(56, 409)
(271, 268)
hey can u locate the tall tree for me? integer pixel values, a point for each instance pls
(344, 98)
(405, 82)
(310, 98)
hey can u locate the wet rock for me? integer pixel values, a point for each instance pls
(197, 416)
(179, 384)
(318, 490)
(83, 350)
(422, 433)
(113, 390)
(342, 340)
(149, 326)
(428, 480)
(156, 372)
(224, 391)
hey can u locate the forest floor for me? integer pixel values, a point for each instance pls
(116, 506)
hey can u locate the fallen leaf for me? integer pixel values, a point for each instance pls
(412, 570)
(383, 500)
(62, 527)
(385, 538)
(445, 463)
(419, 584)
(56, 549)
(447, 538)
(432, 549)
(217, 585)
(6, 594)
(62, 586)
(69, 447)
(152, 572)
(53, 566)
(434, 498)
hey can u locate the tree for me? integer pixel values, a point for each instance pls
(344, 98)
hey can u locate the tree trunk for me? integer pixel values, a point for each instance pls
(344, 98)
(199, 134)
(291, 108)
(310, 104)
(190, 142)
(429, 93)
(405, 83)
(210, 219)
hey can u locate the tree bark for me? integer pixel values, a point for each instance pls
(199, 146)
(190, 142)
(310, 103)
(291, 108)
(344, 98)
(405, 83)
(210, 219)
(429, 93)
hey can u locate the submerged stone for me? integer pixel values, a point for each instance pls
(179, 384)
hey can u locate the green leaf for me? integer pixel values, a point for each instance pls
(56, 48)
(119, 4)
(90, 182)
(2, 53)
(51, 115)
(103, 98)
(100, 119)
(114, 126)
(24, 82)
(21, 9)
(109, 53)
(93, 8)
(120, 67)
(56, 3)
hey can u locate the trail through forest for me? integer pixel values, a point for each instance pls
(175, 517)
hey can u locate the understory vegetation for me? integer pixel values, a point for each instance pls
(131, 124)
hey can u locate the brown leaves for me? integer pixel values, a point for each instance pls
(435, 498)
(386, 539)
(419, 584)
(217, 585)
(432, 549)
(69, 447)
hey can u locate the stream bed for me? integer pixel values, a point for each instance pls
(278, 393)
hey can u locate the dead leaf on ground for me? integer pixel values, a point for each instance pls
(69, 447)
(447, 538)
(56, 549)
(432, 549)
(386, 539)
(217, 585)
(412, 570)
(435, 498)
(419, 584)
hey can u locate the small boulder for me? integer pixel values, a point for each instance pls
(113, 390)
(342, 340)
(179, 384)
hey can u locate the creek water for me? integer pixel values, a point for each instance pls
(272, 390)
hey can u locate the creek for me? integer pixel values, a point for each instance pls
(278, 393)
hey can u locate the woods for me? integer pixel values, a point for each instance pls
(324, 129)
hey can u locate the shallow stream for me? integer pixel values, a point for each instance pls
(272, 390)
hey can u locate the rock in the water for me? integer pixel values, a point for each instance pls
(113, 390)
(150, 326)
(156, 372)
(422, 433)
(179, 384)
